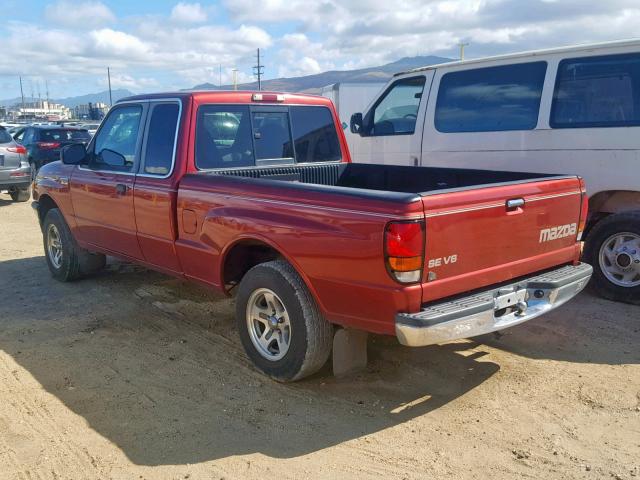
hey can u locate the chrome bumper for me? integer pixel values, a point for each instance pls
(492, 309)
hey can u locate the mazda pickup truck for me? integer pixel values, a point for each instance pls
(254, 194)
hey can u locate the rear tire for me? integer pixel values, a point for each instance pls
(65, 259)
(20, 194)
(613, 249)
(280, 326)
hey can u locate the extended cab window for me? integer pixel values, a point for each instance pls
(601, 91)
(492, 99)
(161, 139)
(396, 112)
(115, 143)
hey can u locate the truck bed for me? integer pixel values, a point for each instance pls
(387, 178)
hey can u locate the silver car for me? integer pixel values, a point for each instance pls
(15, 173)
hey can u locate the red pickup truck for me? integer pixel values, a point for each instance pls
(255, 193)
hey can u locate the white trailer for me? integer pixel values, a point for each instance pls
(350, 98)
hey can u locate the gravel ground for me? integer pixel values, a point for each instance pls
(131, 374)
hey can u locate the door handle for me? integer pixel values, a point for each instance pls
(121, 188)
(515, 203)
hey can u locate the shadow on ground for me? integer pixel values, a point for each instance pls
(152, 363)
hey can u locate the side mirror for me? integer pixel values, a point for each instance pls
(113, 159)
(73, 154)
(356, 123)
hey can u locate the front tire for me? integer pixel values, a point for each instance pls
(281, 327)
(613, 249)
(65, 259)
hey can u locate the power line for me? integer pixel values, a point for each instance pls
(258, 71)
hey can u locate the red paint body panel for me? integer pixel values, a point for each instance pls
(187, 223)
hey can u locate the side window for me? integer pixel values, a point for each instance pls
(492, 99)
(314, 134)
(601, 91)
(223, 137)
(115, 143)
(161, 139)
(271, 135)
(396, 112)
(27, 136)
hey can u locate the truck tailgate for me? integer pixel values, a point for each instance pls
(487, 235)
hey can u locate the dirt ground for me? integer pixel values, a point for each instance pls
(132, 374)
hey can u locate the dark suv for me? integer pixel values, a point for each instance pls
(44, 142)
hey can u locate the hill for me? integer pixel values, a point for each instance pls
(312, 83)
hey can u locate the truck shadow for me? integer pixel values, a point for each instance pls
(588, 329)
(153, 365)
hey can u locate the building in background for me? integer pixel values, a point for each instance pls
(39, 110)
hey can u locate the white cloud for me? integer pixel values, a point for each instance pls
(188, 13)
(81, 15)
(113, 43)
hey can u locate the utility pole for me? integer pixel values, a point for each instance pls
(46, 86)
(462, 45)
(21, 94)
(109, 80)
(220, 77)
(235, 78)
(258, 71)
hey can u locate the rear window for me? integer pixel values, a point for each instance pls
(63, 135)
(232, 136)
(601, 91)
(4, 136)
(492, 99)
(314, 134)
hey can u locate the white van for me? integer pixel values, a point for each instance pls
(566, 110)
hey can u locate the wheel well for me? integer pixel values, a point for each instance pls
(242, 257)
(45, 203)
(608, 202)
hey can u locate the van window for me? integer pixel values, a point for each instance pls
(396, 112)
(601, 91)
(491, 99)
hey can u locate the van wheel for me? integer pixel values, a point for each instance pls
(280, 326)
(20, 194)
(65, 259)
(613, 249)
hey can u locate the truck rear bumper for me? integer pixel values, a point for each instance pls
(492, 309)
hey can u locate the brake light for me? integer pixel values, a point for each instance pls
(584, 210)
(18, 149)
(48, 145)
(404, 250)
(267, 97)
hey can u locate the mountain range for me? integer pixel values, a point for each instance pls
(313, 83)
(308, 83)
(71, 102)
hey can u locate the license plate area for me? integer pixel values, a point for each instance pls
(508, 299)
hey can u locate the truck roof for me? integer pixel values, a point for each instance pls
(530, 53)
(235, 96)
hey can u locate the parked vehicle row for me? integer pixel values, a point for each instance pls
(566, 110)
(15, 172)
(254, 193)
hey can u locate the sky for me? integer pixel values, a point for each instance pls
(167, 44)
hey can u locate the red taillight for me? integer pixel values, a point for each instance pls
(18, 149)
(48, 145)
(584, 210)
(267, 97)
(404, 250)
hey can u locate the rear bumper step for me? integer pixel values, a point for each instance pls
(493, 309)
